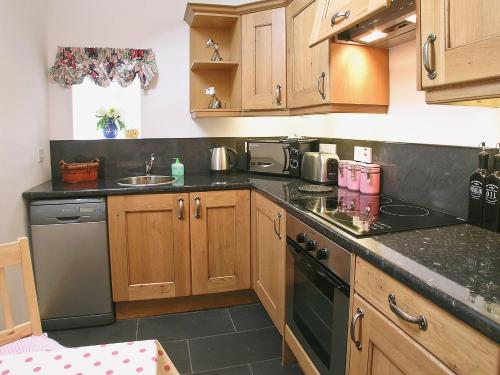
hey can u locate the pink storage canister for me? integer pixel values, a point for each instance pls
(370, 179)
(353, 176)
(342, 181)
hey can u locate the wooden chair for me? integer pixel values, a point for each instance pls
(11, 254)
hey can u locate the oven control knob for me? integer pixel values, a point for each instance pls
(322, 253)
(301, 237)
(311, 245)
(294, 151)
(294, 164)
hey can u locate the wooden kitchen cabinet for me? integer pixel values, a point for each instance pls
(332, 77)
(149, 246)
(268, 257)
(459, 51)
(335, 16)
(263, 59)
(460, 348)
(384, 349)
(220, 241)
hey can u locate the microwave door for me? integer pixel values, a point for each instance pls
(267, 158)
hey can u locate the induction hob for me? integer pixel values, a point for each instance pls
(364, 215)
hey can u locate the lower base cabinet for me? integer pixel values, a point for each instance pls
(381, 348)
(149, 246)
(175, 245)
(220, 241)
(268, 257)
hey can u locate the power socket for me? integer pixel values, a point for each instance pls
(41, 154)
(363, 154)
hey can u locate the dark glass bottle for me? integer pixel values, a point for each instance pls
(491, 208)
(476, 189)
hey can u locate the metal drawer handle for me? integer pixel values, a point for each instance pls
(277, 219)
(181, 208)
(431, 72)
(278, 94)
(359, 314)
(421, 321)
(197, 213)
(321, 85)
(344, 15)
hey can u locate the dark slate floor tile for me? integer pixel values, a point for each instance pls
(273, 367)
(119, 331)
(178, 352)
(234, 349)
(238, 370)
(250, 317)
(185, 326)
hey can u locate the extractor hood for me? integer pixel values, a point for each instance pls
(392, 26)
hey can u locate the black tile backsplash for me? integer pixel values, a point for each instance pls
(428, 175)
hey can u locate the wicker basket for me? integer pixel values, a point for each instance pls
(74, 173)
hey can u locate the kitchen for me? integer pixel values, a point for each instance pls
(427, 153)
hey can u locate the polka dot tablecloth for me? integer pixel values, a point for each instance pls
(137, 357)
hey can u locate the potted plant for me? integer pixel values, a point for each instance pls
(109, 122)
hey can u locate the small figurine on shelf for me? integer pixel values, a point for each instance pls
(211, 43)
(214, 100)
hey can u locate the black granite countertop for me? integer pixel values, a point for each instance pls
(457, 267)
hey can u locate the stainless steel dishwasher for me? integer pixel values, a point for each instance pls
(71, 262)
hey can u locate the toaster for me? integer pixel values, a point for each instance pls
(320, 168)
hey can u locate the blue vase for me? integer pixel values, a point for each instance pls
(110, 130)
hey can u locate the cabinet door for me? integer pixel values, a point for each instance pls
(385, 349)
(149, 246)
(467, 41)
(268, 257)
(335, 16)
(220, 241)
(264, 60)
(307, 68)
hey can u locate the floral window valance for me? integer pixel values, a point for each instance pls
(103, 65)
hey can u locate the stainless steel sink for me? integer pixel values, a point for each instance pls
(151, 180)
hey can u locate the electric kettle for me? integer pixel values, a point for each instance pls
(220, 163)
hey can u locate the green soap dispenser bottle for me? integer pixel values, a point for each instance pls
(177, 168)
(477, 190)
(491, 209)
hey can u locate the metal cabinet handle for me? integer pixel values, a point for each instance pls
(181, 208)
(431, 72)
(359, 314)
(197, 213)
(278, 94)
(421, 321)
(344, 15)
(321, 85)
(277, 219)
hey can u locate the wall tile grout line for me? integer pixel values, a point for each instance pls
(230, 317)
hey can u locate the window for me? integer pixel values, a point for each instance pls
(89, 97)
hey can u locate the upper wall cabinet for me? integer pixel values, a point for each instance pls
(460, 51)
(331, 77)
(335, 16)
(264, 60)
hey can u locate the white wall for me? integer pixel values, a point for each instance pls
(23, 112)
(165, 108)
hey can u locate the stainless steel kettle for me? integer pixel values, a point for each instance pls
(220, 163)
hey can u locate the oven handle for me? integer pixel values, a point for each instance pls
(286, 152)
(300, 257)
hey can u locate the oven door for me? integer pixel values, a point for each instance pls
(269, 158)
(317, 310)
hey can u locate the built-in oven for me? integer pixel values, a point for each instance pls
(317, 296)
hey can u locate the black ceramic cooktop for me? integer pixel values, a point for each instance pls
(363, 215)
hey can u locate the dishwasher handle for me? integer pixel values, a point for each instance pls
(68, 219)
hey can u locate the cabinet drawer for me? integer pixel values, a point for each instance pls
(460, 347)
